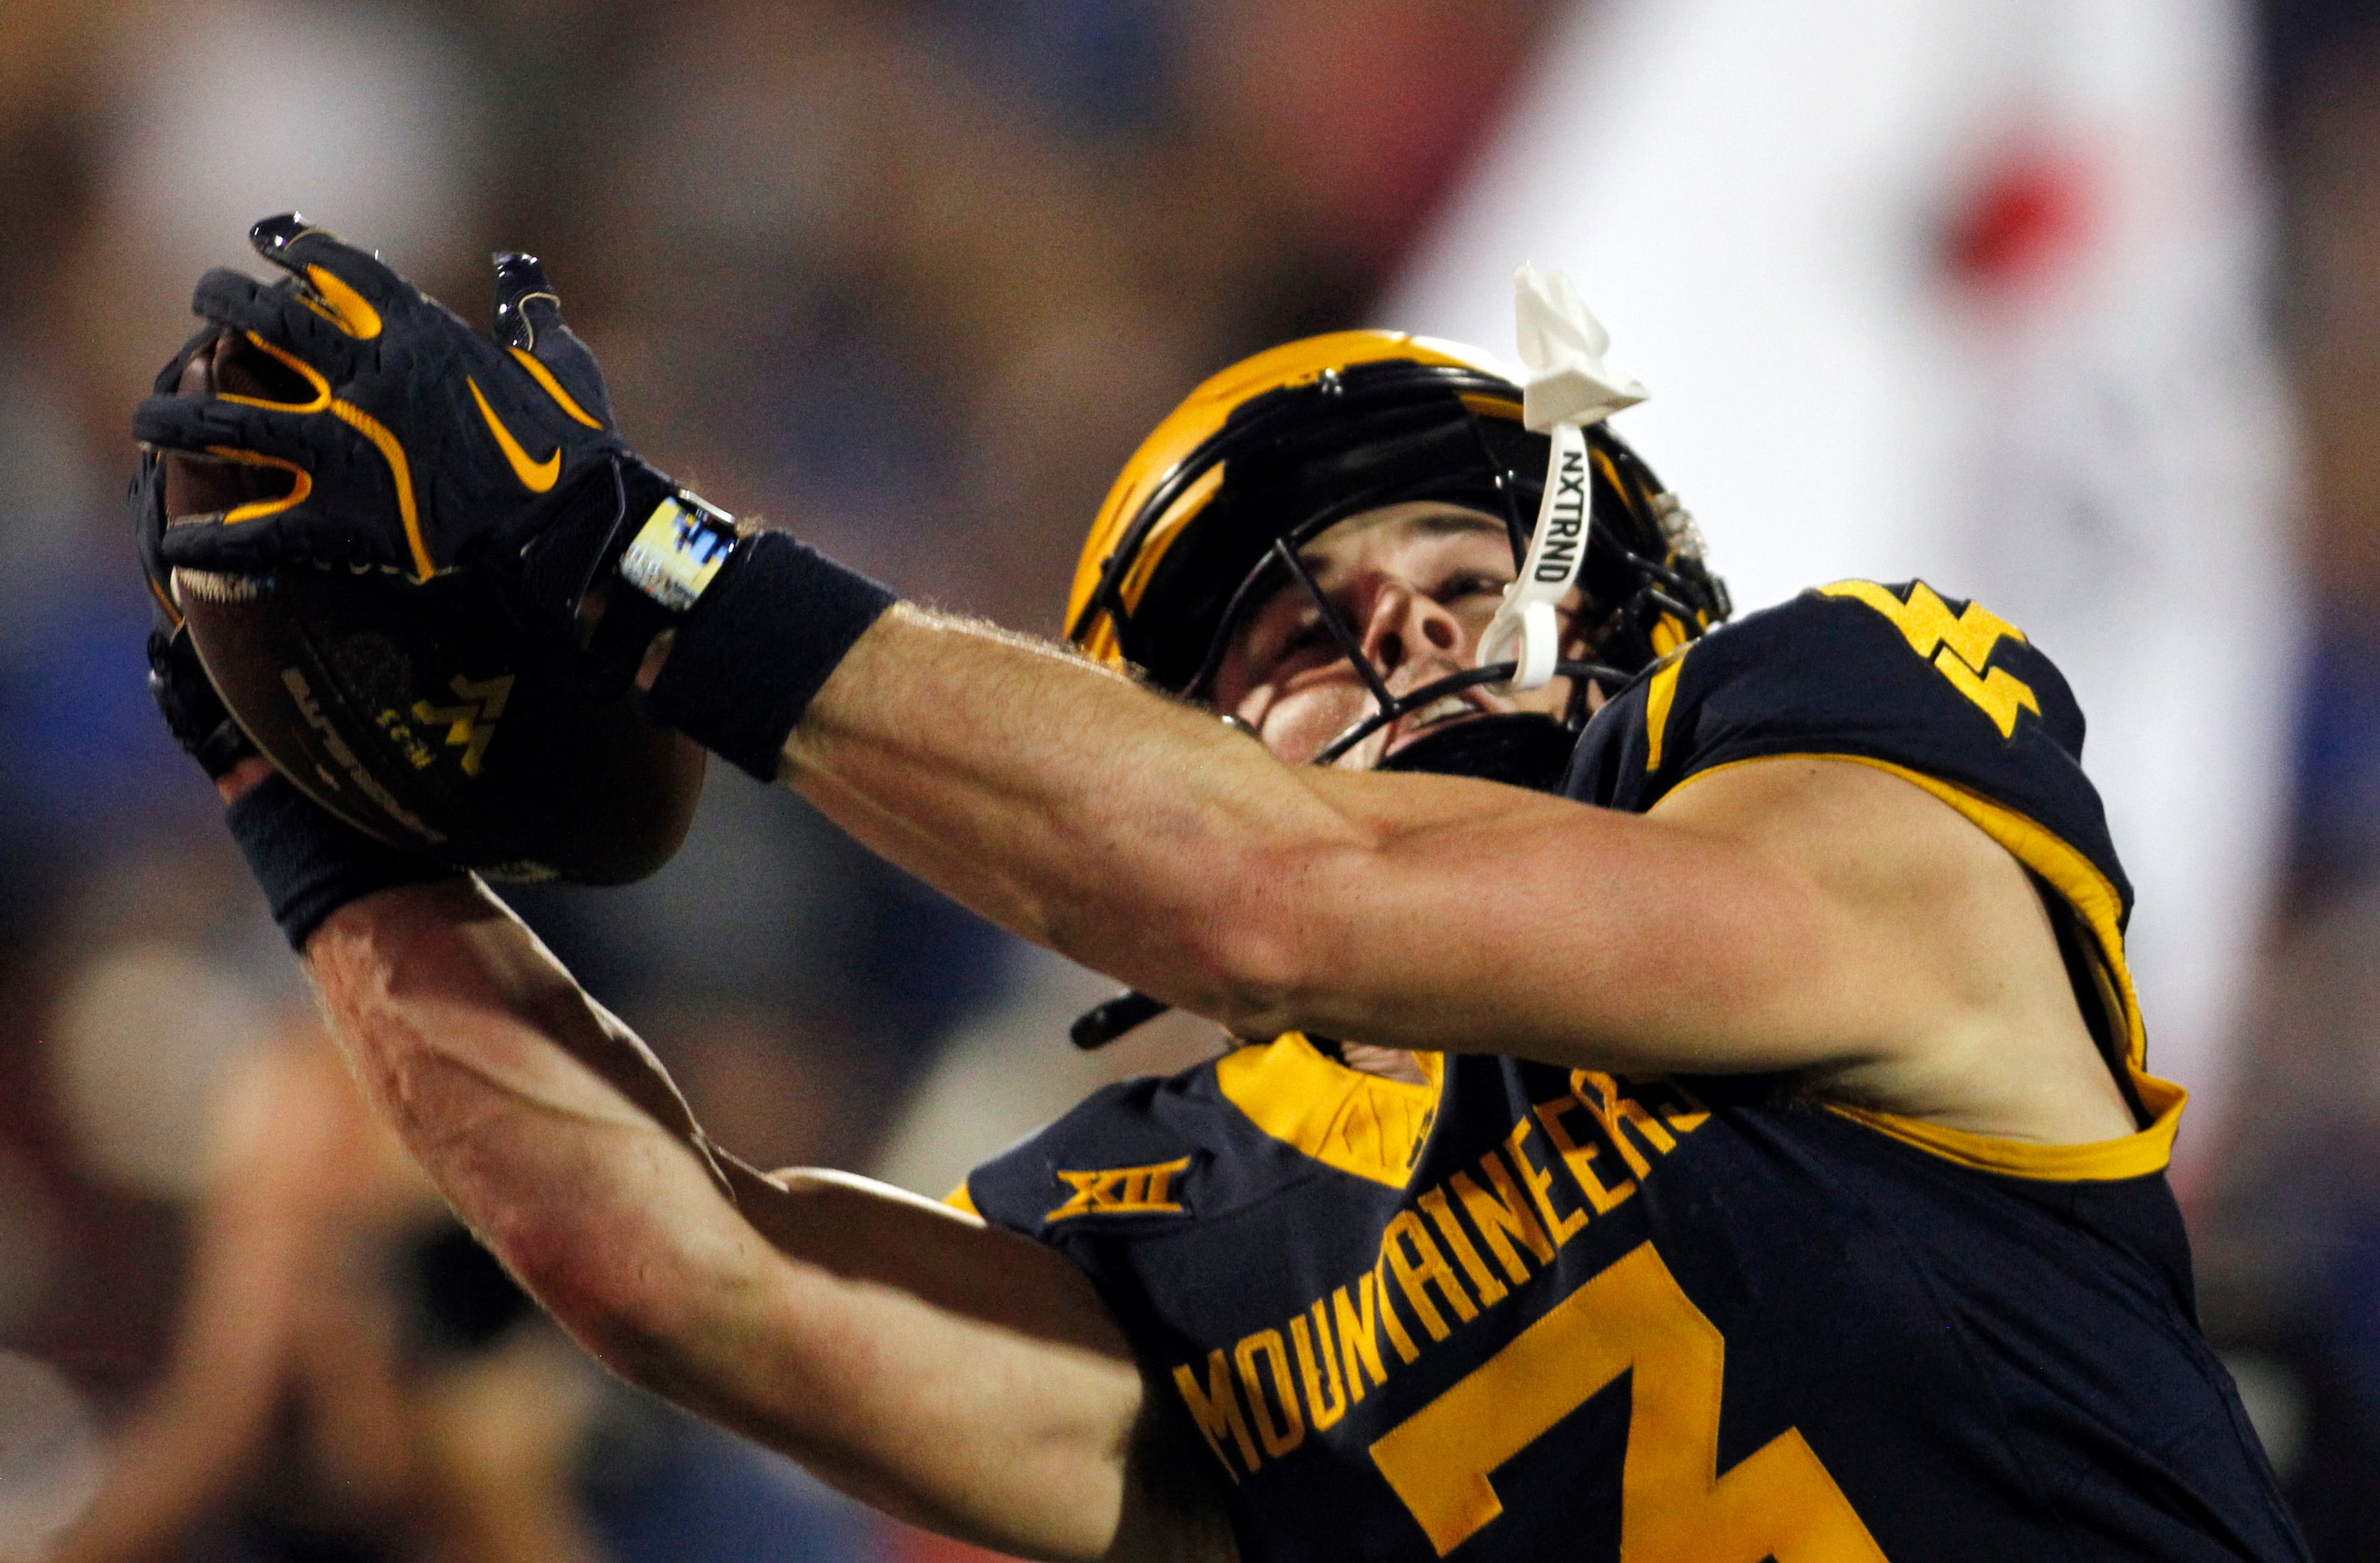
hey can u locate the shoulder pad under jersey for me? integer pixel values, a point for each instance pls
(1939, 691)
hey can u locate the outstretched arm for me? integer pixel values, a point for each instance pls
(959, 1377)
(1797, 913)
(1830, 920)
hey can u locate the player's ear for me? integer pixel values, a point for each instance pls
(528, 322)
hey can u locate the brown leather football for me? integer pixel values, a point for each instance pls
(421, 712)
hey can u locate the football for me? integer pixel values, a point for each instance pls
(419, 711)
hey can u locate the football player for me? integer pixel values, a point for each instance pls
(1692, 1103)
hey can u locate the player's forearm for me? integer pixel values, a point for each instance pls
(1148, 841)
(1060, 800)
(971, 1380)
(539, 1118)
(903, 1351)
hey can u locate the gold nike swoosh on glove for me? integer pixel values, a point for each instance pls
(536, 476)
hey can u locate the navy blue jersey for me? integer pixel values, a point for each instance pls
(1528, 1313)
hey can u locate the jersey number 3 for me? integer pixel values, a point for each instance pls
(1675, 1508)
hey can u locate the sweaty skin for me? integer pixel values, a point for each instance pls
(1788, 915)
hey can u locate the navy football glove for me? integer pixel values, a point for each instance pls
(194, 713)
(415, 443)
(309, 864)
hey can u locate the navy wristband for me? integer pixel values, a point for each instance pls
(310, 863)
(760, 645)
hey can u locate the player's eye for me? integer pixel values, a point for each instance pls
(1307, 635)
(1470, 585)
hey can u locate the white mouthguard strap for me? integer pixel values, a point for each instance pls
(1569, 386)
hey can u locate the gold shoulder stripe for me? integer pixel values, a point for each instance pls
(1359, 1123)
(959, 1199)
(2094, 897)
(1658, 695)
(2134, 1155)
(2073, 876)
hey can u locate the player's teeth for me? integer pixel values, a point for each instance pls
(1439, 710)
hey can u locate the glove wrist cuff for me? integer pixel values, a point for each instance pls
(768, 632)
(194, 713)
(310, 863)
(663, 547)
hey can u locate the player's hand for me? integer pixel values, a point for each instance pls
(194, 713)
(415, 443)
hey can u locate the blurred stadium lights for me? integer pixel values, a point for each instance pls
(141, 1036)
(29, 1241)
(369, 125)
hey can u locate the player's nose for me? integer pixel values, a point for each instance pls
(1402, 624)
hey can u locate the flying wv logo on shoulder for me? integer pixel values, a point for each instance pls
(1121, 1190)
(1958, 644)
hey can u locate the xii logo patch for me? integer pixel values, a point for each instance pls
(1122, 1190)
(1959, 645)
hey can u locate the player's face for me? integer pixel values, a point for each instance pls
(1417, 584)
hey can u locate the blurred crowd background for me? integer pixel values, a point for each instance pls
(912, 277)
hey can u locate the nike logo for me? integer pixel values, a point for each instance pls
(535, 476)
